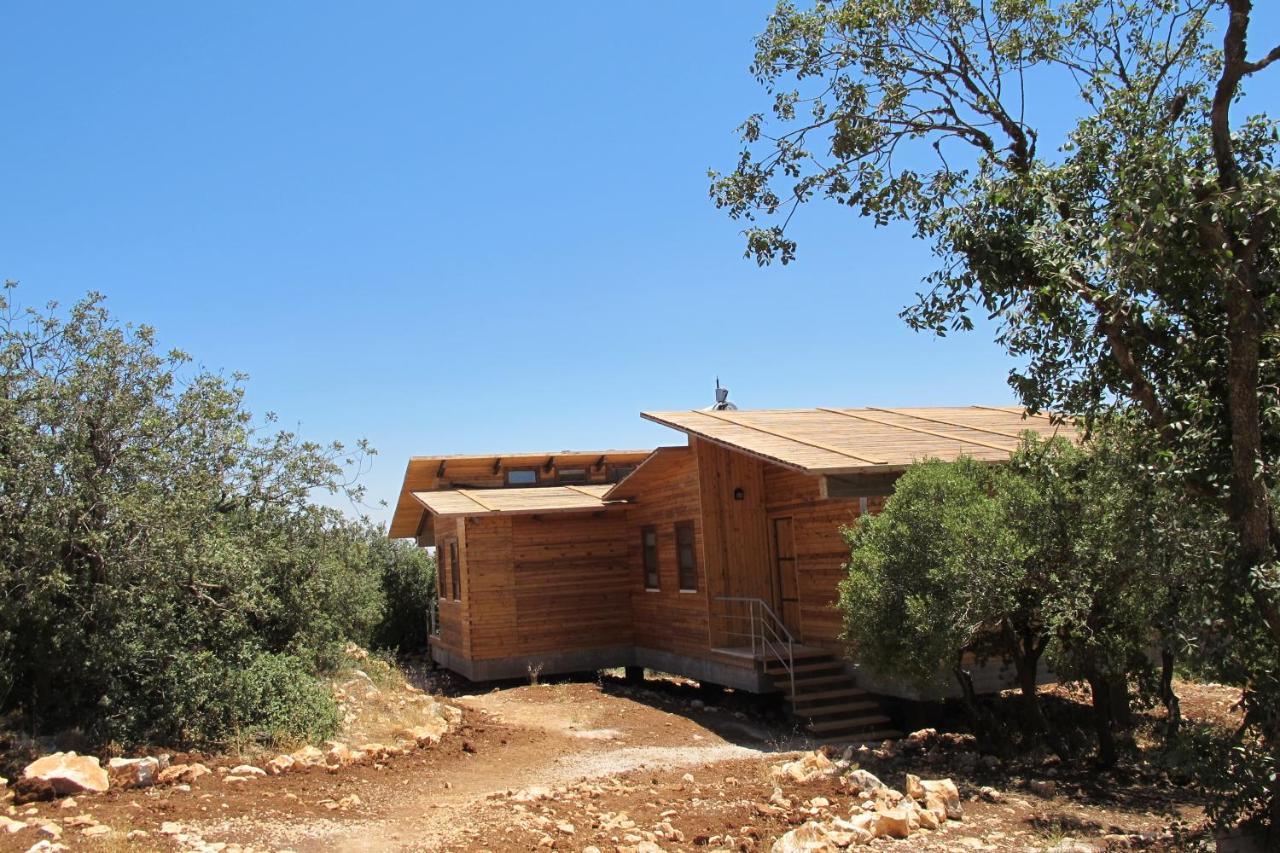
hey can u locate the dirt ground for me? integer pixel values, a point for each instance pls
(608, 765)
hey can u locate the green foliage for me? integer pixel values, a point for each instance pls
(166, 573)
(927, 577)
(409, 582)
(1137, 263)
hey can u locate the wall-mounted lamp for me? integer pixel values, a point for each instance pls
(738, 494)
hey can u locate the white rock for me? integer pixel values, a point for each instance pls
(133, 772)
(67, 773)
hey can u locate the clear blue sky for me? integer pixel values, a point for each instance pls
(447, 228)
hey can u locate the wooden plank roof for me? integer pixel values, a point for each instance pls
(521, 501)
(847, 441)
(427, 473)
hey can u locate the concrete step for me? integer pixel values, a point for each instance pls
(777, 669)
(848, 724)
(848, 708)
(808, 697)
(822, 680)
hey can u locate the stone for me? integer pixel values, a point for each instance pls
(69, 803)
(184, 773)
(849, 833)
(248, 770)
(280, 764)
(936, 805)
(170, 828)
(861, 780)
(566, 827)
(425, 735)
(810, 766)
(991, 795)
(308, 756)
(892, 823)
(96, 830)
(10, 826)
(812, 837)
(63, 773)
(337, 753)
(914, 789)
(133, 772)
(1042, 787)
(136, 835)
(950, 796)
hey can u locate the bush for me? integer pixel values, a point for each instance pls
(409, 582)
(165, 572)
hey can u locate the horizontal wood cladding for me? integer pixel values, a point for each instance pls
(667, 619)
(547, 584)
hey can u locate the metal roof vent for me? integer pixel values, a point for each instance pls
(722, 403)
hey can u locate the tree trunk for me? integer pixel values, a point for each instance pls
(1172, 707)
(1103, 719)
(983, 726)
(1121, 709)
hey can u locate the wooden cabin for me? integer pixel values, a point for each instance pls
(717, 559)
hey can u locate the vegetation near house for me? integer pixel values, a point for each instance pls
(166, 574)
(1133, 263)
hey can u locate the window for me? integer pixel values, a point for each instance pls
(522, 477)
(455, 570)
(442, 572)
(686, 558)
(649, 547)
(617, 472)
(571, 476)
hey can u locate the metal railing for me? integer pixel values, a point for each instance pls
(753, 620)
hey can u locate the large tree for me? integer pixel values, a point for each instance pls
(1136, 261)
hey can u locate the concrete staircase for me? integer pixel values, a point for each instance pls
(829, 702)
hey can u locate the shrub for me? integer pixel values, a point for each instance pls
(165, 573)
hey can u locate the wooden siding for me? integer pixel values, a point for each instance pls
(820, 549)
(667, 619)
(541, 584)
(455, 626)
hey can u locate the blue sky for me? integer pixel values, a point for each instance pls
(447, 228)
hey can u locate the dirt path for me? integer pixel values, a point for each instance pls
(572, 766)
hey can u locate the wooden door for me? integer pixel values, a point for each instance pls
(785, 582)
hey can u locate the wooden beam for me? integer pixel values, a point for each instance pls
(931, 432)
(946, 423)
(787, 436)
(497, 465)
(600, 462)
(440, 470)
(583, 492)
(551, 460)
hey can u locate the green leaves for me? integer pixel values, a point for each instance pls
(165, 573)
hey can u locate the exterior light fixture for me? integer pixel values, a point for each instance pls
(738, 494)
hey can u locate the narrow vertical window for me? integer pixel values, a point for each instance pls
(442, 572)
(649, 547)
(455, 569)
(686, 557)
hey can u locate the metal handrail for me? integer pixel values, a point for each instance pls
(775, 640)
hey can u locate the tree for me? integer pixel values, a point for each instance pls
(166, 575)
(1053, 556)
(1137, 263)
(931, 579)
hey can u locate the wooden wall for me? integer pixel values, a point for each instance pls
(455, 626)
(532, 584)
(668, 620)
(571, 584)
(821, 552)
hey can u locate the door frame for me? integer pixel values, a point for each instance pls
(776, 575)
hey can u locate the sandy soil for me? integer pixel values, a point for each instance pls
(583, 764)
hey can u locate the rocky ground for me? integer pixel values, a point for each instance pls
(660, 767)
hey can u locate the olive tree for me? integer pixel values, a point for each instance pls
(166, 574)
(1136, 261)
